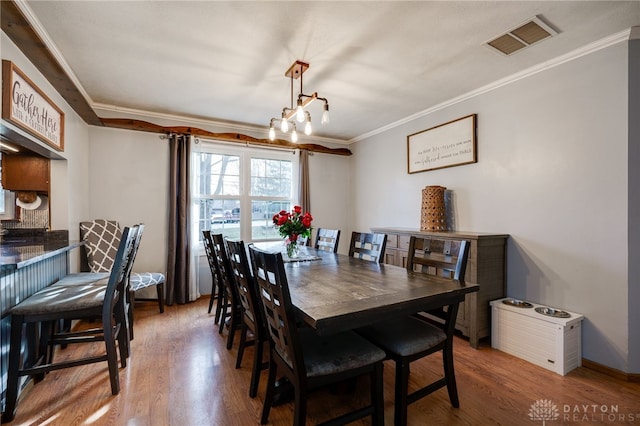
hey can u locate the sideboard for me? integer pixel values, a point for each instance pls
(486, 266)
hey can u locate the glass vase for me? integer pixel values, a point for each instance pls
(292, 249)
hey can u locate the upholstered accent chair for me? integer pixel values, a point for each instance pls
(305, 358)
(101, 237)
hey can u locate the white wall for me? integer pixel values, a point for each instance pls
(69, 201)
(551, 172)
(128, 182)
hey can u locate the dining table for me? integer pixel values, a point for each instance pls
(336, 292)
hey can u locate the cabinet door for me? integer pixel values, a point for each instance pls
(25, 173)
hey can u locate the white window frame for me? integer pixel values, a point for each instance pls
(246, 153)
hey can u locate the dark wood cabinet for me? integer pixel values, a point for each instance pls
(25, 173)
(486, 266)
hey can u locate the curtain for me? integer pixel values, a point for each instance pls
(179, 265)
(304, 196)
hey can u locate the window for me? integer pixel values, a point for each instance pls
(237, 192)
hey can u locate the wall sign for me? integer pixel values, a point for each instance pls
(447, 145)
(26, 106)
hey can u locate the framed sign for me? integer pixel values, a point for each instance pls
(447, 145)
(26, 106)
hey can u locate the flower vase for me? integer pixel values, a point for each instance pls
(292, 249)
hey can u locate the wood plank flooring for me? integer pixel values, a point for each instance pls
(181, 374)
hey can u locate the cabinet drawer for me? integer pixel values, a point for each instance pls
(403, 242)
(392, 240)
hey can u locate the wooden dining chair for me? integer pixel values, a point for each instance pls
(367, 246)
(55, 304)
(231, 314)
(252, 314)
(217, 289)
(306, 359)
(327, 240)
(410, 338)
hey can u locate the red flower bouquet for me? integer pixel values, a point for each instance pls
(293, 225)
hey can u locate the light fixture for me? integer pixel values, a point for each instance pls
(301, 114)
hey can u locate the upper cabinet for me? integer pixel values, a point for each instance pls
(25, 173)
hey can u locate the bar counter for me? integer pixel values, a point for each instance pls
(27, 265)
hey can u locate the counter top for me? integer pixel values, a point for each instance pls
(15, 255)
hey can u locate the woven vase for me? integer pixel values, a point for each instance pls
(434, 216)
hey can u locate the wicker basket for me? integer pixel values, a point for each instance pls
(434, 216)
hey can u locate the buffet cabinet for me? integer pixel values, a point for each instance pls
(486, 266)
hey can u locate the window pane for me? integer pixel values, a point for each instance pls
(219, 174)
(271, 178)
(220, 217)
(262, 218)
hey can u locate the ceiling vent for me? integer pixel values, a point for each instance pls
(524, 35)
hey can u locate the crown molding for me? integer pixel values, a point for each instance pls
(543, 66)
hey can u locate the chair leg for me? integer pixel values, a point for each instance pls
(268, 398)
(123, 334)
(402, 389)
(219, 304)
(232, 328)
(13, 375)
(223, 314)
(132, 301)
(257, 368)
(214, 294)
(243, 343)
(377, 397)
(112, 356)
(450, 375)
(300, 408)
(160, 291)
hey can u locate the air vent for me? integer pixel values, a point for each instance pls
(524, 35)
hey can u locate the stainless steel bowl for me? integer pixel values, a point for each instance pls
(552, 312)
(517, 303)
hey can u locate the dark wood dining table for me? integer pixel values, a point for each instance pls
(335, 292)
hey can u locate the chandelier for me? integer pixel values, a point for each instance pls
(301, 115)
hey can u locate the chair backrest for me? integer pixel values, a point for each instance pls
(327, 240)
(367, 246)
(441, 257)
(119, 272)
(246, 285)
(224, 267)
(279, 313)
(101, 238)
(211, 256)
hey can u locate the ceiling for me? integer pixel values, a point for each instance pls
(376, 62)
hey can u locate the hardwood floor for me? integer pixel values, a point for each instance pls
(181, 374)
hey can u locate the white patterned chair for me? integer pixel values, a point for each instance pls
(101, 242)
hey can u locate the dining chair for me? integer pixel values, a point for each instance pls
(252, 314)
(367, 246)
(327, 240)
(230, 315)
(410, 338)
(101, 237)
(54, 304)
(217, 289)
(305, 358)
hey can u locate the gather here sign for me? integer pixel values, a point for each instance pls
(26, 106)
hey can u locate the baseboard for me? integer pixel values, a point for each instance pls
(612, 372)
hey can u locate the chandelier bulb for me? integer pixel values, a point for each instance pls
(300, 112)
(307, 128)
(294, 136)
(284, 125)
(272, 133)
(325, 116)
